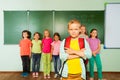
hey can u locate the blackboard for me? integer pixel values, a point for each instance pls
(17, 21)
(56, 21)
(91, 19)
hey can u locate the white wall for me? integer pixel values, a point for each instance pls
(9, 54)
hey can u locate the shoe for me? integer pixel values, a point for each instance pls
(91, 78)
(48, 76)
(33, 74)
(36, 74)
(102, 79)
(55, 76)
(45, 77)
(22, 74)
(25, 74)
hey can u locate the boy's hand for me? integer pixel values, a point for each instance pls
(69, 51)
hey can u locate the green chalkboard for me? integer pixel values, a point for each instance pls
(92, 19)
(17, 21)
(14, 24)
(55, 21)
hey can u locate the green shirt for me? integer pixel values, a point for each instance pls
(36, 46)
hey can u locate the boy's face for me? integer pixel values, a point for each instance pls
(74, 30)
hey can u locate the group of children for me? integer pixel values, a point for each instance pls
(73, 52)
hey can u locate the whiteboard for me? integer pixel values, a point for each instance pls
(112, 25)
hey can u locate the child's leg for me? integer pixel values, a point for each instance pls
(38, 62)
(28, 64)
(48, 65)
(33, 62)
(55, 64)
(58, 64)
(91, 66)
(44, 64)
(99, 66)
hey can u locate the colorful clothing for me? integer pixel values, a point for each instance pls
(36, 46)
(46, 45)
(94, 45)
(56, 45)
(55, 57)
(46, 63)
(25, 45)
(74, 66)
(64, 56)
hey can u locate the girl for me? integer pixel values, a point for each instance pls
(36, 54)
(83, 32)
(94, 43)
(25, 50)
(55, 53)
(46, 53)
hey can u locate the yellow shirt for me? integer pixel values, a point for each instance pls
(74, 66)
(36, 46)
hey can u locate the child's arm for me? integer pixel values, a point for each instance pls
(79, 53)
(97, 50)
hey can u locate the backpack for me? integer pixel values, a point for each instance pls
(67, 44)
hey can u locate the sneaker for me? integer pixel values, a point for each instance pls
(22, 74)
(55, 76)
(25, 74)
(36, 74)
(45, 77)
(48, 76)
(91, 78)
(102, 79)
(33, 74)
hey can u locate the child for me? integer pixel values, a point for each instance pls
(46, 53)
(36, 54)
(83, 34)
(94, 43)
(75, 49)
(55, 53)
(25, 50)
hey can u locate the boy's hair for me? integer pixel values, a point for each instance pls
(85, 28)
(74, 21)
(28, 32)
(92, 31)
(36, 33)
(57, 34)
(47, 31)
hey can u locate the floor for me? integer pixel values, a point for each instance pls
(17, 76)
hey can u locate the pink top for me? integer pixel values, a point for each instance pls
(93, 43)
(46, 45)
(25, 46)
(56, 47)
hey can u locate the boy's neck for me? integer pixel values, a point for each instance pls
(74, 37)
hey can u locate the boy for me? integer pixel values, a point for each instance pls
(72, 50)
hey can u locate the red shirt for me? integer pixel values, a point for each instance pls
(25, 47)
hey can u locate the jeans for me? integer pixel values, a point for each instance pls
(26, 63)
(57, 63)
(36, 57)
(98, 64)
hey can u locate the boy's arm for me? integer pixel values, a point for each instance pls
(87, 51)
(64, 55)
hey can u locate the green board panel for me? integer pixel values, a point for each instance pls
(14, 23)
(92, 19)
(41, 20)
(17, 21)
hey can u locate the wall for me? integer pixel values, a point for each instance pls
(9, 55)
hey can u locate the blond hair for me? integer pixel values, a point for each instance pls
(74, 21)
(47, 31)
